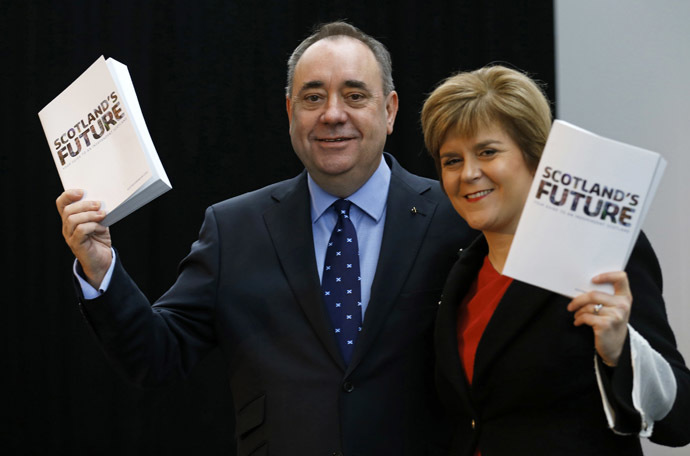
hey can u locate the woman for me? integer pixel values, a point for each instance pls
(521, 369)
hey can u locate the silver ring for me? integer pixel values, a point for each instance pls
(597, 308)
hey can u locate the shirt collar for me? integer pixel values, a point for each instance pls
(369, 198)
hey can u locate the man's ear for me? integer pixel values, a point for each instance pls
(391, 110)
(288, 107)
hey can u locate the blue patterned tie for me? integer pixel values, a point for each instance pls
(341, 281)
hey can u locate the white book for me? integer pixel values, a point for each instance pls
(584, 211)
(99, 141)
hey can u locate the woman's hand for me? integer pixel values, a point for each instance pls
(607, 314)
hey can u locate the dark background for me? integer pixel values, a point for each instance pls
(210, 79)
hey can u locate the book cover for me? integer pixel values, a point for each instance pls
(100, 143)
(584, 211)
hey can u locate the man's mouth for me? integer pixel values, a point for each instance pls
(334, 139)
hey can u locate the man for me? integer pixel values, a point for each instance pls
(307, 377)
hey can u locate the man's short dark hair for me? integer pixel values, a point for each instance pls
(340, 29)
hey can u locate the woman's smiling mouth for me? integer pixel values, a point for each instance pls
(478, 195)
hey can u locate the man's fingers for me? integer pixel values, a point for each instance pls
(68, 197)
(83, 223)
(84, 230)
(79, 207)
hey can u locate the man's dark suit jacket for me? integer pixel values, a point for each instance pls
(250, 286)
(534, 390)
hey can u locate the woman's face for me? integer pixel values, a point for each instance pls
(486, 178)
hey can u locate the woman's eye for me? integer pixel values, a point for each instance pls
(488, 152)
(452, 161)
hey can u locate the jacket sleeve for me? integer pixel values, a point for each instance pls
(152, 345)
(625, 385)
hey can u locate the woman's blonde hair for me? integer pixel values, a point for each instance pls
(468, 101)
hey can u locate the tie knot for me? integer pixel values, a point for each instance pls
(342, 207)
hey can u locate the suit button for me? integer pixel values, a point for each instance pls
(338, 453)
(348, 387)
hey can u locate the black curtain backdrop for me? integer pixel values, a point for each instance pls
(210, 78)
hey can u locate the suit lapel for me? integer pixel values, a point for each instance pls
(403, 235)
(459, 280)
(520, 304)
(289, 225)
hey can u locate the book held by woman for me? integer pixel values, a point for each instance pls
(585, 208)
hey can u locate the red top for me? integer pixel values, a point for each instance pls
(475, 312)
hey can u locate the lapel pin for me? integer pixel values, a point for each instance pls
(415, 211)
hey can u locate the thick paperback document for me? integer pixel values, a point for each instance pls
(99, 141)
(584, 210)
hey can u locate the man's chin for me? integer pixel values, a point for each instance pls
(335, 164)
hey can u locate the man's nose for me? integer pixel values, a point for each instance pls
(335, 111)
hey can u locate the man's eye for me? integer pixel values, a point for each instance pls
(356, 97)
(312, 98)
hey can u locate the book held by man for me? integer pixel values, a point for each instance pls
(584, 211)
(99, 141)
